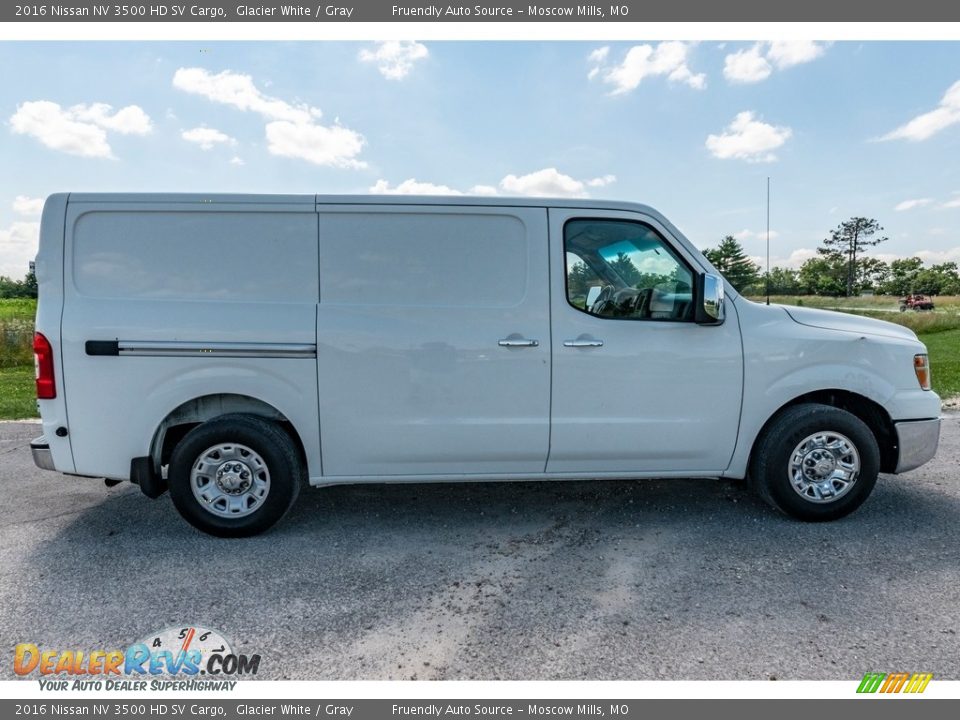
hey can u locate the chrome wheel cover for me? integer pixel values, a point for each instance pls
(824, 467)
(230, 480)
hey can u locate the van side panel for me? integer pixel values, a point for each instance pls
(206, 298)
(49, 271)
(433, 340)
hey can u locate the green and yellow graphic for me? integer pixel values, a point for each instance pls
(894, 682)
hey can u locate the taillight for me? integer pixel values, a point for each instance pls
(43, 359)
(921, 366)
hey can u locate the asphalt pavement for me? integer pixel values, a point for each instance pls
(672, 579)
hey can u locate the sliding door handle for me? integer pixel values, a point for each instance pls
(510, 342)
(582, 343)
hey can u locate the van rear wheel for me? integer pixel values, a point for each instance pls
(815, 462)
(235, 476)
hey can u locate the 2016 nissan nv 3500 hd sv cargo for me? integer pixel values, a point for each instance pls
(232, 348)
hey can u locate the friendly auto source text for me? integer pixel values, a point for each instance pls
(481, 11)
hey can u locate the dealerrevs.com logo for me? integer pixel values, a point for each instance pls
(901, 682)
(177, 658)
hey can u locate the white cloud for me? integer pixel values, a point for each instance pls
(237, 160)
(936, 257)
(746, 234)
(238, 91)
(926, 125)
(757, 62)
(794, 260)
(747, 138)
(395, 58)
(412, 187)
(18, 246)
(602, 181)
(206, 137)
(78, 130)
(787, 53)
(955, 203)
(599, 56)
(130, 120)
(548, 182)
(332, 145)
(23, 205)
(292, 130)
(747, 66)
(667, 59)
(911, 204)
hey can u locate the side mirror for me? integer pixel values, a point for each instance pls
(709, 300)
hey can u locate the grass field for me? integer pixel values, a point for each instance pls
(17, 393)
(939, 330)
(944, 303)
(944, 350)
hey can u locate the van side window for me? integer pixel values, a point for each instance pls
(625, 270)
(430, 259)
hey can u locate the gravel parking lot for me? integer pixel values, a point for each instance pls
(679, 579)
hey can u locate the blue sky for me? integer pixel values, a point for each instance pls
(865, 128)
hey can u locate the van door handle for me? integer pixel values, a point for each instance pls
(518, 342)
(579, 343)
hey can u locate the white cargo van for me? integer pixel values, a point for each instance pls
(232, 348)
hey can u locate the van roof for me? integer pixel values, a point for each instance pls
(489, 201)
(317, 201)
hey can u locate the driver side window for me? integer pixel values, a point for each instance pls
(623, 269)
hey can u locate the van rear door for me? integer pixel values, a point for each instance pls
(433, 340)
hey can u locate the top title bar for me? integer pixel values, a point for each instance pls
(502, 11)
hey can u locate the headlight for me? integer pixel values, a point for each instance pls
(921, 366)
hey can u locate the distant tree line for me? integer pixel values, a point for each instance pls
(841, 268)
(26, 288)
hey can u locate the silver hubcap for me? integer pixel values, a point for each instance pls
(824, 467)
(230, 480)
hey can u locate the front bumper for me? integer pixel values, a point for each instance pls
(917, 441)
(42, 457)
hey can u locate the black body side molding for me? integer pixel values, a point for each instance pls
(102, 347)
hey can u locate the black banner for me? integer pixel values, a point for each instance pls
(486, 11)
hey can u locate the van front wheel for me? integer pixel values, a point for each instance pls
(235, 476)
(815, 462)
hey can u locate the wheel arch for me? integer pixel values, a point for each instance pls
(873, 415)
(188, 415)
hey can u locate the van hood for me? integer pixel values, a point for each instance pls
(832, 320)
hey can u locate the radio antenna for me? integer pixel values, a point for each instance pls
(768, 240)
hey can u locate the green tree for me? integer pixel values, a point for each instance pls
(847, 241)
(625, 268)
(18, 288)
(730, 259)
(871, 274)
(824, 275)
(937, 279)
(903, 276)
(783, 281)
(30, 284)
(579, 279)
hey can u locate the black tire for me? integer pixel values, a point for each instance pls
(285, 473)
(771, 460)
